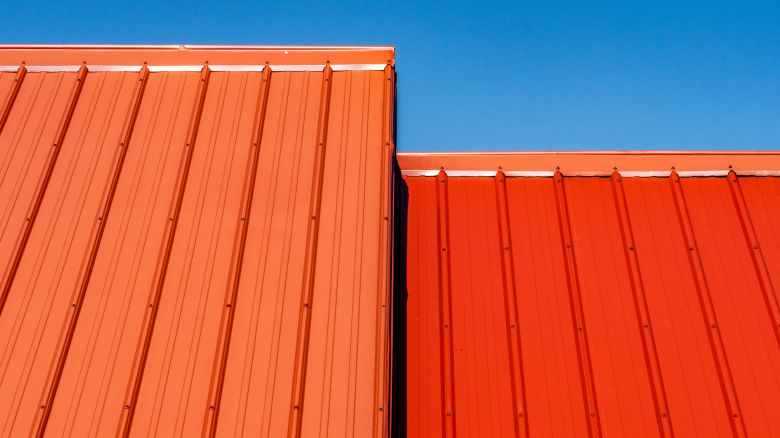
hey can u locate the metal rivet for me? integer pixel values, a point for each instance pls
(592, 415)
(385, 217)
(521, 415)
(151, 305)
(228, 305)
(203, 79)
(313, 218)
(28, 219)
(305, 305)
(568, 246)
(675, 181)
(580, 329)
(513, 326)
(43, 407)
(559, 180)
(663, 415)
(506, 247)
(16, 79)
(211, 408)
(729, 166)
(187, 144)
(381, 409)
(170, 218)
(618, 180)
(444, 249)
(672, 167)
(383, 305)
(735, 415)
(320, 143)
(691, 248)
(446, 326)
(645, 325)
(614, 168)
(442, 180)
(127, 407)
(631, 248)
(501, 180)
(78, 80)
(733, 180)
(296, 407)
(73, 305)
(121, 144)
(448, 414)
(755, 247)
(713, 325)
(100, 218)
(557, 168)
(242, 218)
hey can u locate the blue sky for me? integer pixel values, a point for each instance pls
(499, 75)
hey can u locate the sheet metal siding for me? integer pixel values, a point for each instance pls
(136, 360)
(671, 284)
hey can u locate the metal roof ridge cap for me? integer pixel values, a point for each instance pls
(185, 47)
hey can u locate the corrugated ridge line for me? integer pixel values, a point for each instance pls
(304, 324)
(134, 384)
(40, 188)
(756, 254)
(226, 325)
(707, 308)
(61, 351)
(510, 295)
(384, 281)
(640, 304)
(572, 278)
(446, 300)
(11, 97)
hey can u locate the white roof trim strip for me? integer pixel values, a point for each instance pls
(646, 174)
(625, 174)
(52, 68)
(9, 68)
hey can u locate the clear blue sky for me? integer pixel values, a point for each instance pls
(495, 75)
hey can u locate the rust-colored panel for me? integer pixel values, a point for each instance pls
(742, 315)
(669, 304)
(143, 244)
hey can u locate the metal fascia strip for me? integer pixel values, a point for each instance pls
(53, 68)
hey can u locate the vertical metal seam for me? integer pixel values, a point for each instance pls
(40, 188)
(512, 313)
(382, 402)
(236, 260)
(446, 308)
(147, 327)
(10, 99)
(63, 343)
(575, 296)
(756, 253)
(708, 310)
(640, 305)
(310, 259)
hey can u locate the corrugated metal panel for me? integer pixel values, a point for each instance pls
(182, 247)
(592, 306)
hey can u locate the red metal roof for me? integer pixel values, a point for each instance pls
(611, 305)
(194, 240)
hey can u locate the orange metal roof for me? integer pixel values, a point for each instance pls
(194, 240)
(592, 306)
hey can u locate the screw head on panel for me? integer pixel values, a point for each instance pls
(735, 415)
(73, 305)
(381, 409)
(228, 305)
(580, 329)
(506, 248)
(513, 326)
(645, 325)
(448, 414)
(631, 248)
(713, 325)
(521, 415)
(444, 249)
(446, 326)
(211, 408)
(127, 407)
(592, 415)
(663, 415)
(43, 407)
